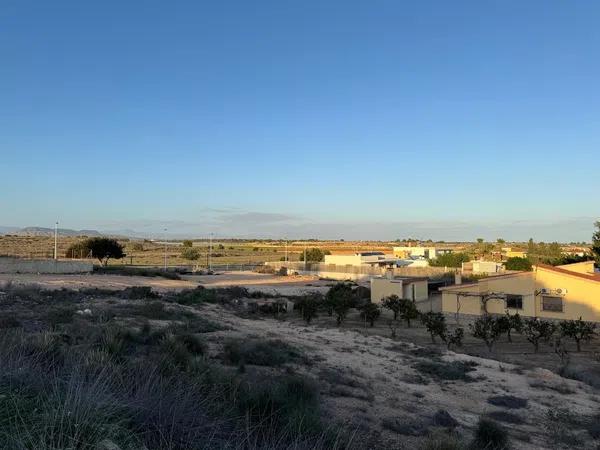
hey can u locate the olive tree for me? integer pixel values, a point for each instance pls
(393, 303)
(488, 329)
(578, 330)
(104, 248)
(536, 330)
(309, 306)
(408, 311)
(435, 323)
(370, 312)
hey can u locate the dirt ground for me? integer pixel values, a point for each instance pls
(372, 384)
(253, 281)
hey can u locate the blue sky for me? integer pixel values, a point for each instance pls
(345, 119)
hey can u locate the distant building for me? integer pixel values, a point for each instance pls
(508, 252)
(565, 292)
(412, 288)
(423, 252)
(362, 259)
(482, 267)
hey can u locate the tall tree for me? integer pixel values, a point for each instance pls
(596, 243)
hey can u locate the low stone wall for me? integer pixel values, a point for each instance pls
(18, 265)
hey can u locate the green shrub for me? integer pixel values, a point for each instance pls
(190, 253)
(490, 436)
(455, 370)
(137, 293)
(516, 263)
(259, 352)
(195, 296)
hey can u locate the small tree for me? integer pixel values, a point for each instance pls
(488, 329)
(190, 253)
(510, 322)
(393, 326)
(536, 330)
(578, 330)
(370, 312)
(187, 243)
(104, 248)
(455, 338)
(393, 303)
(435, 323)
(408, 311)
(596, 243)
(341, 307)
(335, 295)
(309, 307)
(314, 255)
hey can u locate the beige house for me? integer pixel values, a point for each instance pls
(420, 252)
(412, 288)
(563, 292)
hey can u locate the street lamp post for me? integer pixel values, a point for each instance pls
(210, 252)
(56, 241)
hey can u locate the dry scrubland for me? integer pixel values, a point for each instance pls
(225, 252)
(136, 369)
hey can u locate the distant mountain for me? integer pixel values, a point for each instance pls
(41, 231)
(8, 230)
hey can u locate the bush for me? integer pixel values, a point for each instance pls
(137, 293)
(508, 401)
(516, 263)
(187, 243)
(195, 296)
(490, 436)
(259, 352)
(190, 253)
(393, 303)
(455, 370)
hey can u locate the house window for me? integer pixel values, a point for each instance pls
(552, 303)
(514, 301)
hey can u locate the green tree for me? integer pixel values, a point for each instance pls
(370, 312)
(500, 241)
(578, 330)
(510, 322)
(480, 240)
(455, 338)
(435, 323)
(596, 243)
(78, 250)
(314, 255)
(536, 330)
(393, 303)
(516, 263)
(408, 311)
(104, 248)
(339, 299)
(187, 243)
(309, 306)
(450, 260)
(190, 253)
(488, 329)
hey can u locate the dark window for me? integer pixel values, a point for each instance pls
(552, 303)
(514, 301)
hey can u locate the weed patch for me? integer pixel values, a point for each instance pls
(260, 352)
(441, 370)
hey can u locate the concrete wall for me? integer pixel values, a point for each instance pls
(356, 273)
(17, 265)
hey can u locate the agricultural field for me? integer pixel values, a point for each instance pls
(218, 375)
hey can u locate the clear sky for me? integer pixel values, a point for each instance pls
(345, 119)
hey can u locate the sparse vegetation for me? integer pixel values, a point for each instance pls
(435, 324)
(260, 352)
(370, 312)
(490, 436)
(578, 330)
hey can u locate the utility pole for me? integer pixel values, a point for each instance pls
(210, 252)
(305, 259)
(286, 252)
(165, 238)
(56, 241)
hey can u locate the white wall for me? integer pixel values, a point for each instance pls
(17, 265)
